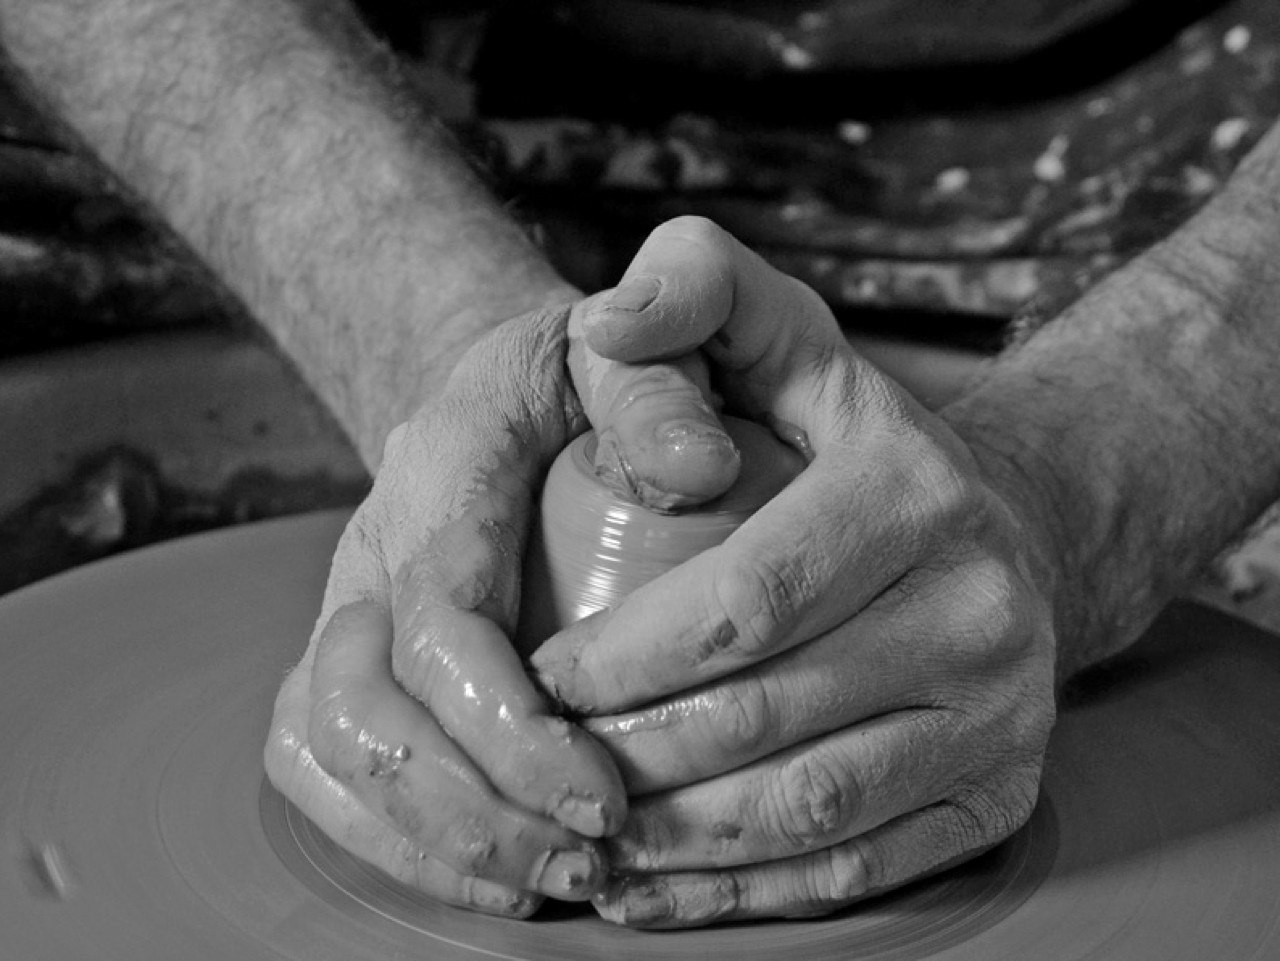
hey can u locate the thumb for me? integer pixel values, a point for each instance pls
(660, 442)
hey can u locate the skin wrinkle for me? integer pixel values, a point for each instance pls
(812, 804)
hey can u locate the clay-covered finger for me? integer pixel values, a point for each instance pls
(660, 441)
(810, 885)
(812, 796)
(340, 814)
(388, 751)
(451, 651)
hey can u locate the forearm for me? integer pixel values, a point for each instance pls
(1143, 424)
(274, 136)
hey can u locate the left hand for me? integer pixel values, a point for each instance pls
(857, 688)
(410, 731)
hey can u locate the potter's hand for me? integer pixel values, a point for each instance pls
(857, 687)
(410, 731)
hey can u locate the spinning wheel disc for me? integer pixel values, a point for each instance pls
(135, 820)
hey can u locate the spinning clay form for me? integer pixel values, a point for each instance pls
(591, 547)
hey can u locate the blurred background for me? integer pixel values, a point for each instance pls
(936, 169)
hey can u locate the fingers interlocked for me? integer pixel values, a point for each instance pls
(856, 688)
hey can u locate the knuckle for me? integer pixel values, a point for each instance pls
(1028, 718)
(755, 602)
(530, 351)
(725, 896)
(813, 804)
(932, 502)
(717, 898)
(728, 893)
(984, 817)
(990, 609)
(833, 878)
(470, 846)
(742, 721)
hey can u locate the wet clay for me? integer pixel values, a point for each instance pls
(591, 546)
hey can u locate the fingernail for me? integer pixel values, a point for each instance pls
(635, 294)
(678, 434)
(684, 430)
(582, 814)
(556, 665)
(572, 875)
(502, 901)
(635, 902)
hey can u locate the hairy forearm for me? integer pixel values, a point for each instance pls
(1142, 425)
(276, 138)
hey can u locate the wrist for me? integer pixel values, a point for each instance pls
(1136, 433)
(1080, 428)
(1034, 493)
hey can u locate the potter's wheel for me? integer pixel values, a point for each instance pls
(135, 820)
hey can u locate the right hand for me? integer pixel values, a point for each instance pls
(856, 688)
